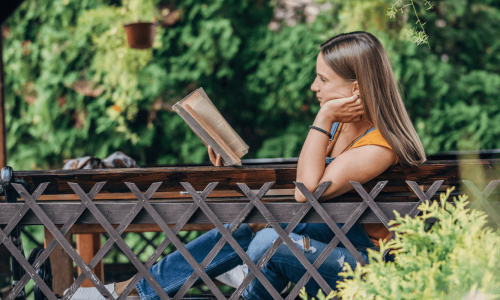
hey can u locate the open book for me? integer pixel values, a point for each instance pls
(211, 127)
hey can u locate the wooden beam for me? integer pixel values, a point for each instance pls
(61, 264)
(3, 145)
(4, 254)
(87, 246)
(97, 228)
(115, 212)
(253, 176)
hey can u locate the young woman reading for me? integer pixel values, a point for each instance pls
(361, 130)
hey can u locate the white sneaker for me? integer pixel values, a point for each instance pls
(91, 293)
(234, 278)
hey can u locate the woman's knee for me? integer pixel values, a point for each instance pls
(262, 241)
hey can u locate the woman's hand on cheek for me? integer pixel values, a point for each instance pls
(345, 110)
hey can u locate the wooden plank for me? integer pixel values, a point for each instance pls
(61, 264)
(97, 228)
(253, 176)
(226, 212)
(87, 245)
(130, 196)
(3, 136)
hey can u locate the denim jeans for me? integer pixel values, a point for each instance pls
(173, 270)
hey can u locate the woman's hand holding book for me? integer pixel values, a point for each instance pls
(214, 158)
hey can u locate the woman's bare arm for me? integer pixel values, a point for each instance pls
(359, 164)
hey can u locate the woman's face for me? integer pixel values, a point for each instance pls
(328, 85)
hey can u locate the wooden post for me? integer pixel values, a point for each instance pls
(61, 264)
(4, 254)
(87, 246)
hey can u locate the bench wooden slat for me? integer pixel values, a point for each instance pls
(171, 212)
(253, 176)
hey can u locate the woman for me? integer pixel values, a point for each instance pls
(361, 130)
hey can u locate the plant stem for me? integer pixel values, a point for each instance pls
(420, 23)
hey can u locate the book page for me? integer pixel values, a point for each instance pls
(224, 147)
(216, 121)
(202, 92)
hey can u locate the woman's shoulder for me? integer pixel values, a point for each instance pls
(375, 138)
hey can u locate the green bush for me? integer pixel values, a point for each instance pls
(456, 258)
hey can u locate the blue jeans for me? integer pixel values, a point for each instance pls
(173, 270)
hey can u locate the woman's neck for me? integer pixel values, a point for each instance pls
(355, 128)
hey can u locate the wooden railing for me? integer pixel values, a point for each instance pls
(215, 195)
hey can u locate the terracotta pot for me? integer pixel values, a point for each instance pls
(140, 35)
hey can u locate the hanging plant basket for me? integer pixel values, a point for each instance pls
(140, 35)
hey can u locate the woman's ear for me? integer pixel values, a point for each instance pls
(354, 87)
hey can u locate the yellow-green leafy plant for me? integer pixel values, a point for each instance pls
(320, 295)
(457, 258)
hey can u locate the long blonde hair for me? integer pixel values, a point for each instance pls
(359, 56)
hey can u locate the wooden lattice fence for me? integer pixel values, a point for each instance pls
(199, 209)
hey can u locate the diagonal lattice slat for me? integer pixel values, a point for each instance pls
(215, 250)
(423, 196)
(26, 266)
(164, 244)
(110, 242)
(481, 198)
(285, 237)
(177, 243)
(336, 240)
(53, 244)
(333, 226)
(229, 238)
(61, 239)
(371, 203)
(304, 209)
(118, 239)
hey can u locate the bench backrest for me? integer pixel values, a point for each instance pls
(480, 172)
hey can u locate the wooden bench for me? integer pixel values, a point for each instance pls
(65, 209)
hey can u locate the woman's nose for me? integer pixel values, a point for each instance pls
(315, 86)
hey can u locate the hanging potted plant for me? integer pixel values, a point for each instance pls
(141, 35)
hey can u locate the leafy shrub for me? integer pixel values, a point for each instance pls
(458, 257)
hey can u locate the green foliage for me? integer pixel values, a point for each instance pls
(457, 257)
(303, 295)
(259, 79)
